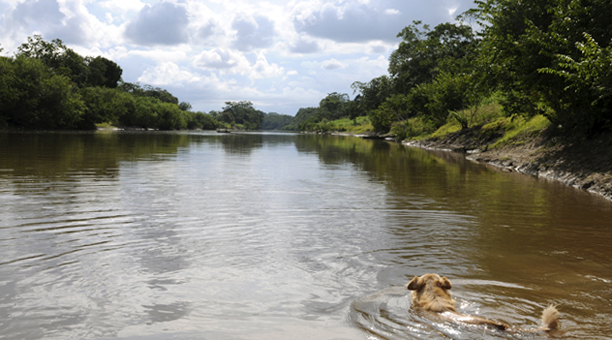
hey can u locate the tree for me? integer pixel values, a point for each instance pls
(148, 91)
(355, 109)
(374, 92)
(334, 105)
(201, 120)
(587, 104)
(276, 121)
(50, 53)
(62, 60)
(391, 110)
(171, 117)
(185, 106)
(305, 119)
(104, 105)
(32, 97)
(103, 72)
(424, 53)
(527, 47)
(161, 94)
(242, 113)
(447, 94)
(144, 113)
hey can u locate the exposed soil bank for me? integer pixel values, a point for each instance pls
(586, 165)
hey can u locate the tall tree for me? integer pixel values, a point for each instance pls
(424, 53)
(334, 105)
(103, 72)
(374, 92)
(62, 60)
(33, 97)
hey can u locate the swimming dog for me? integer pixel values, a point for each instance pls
(430, 293)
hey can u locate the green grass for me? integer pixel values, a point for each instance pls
(445, 129)
(359, 125)
(520, 129)
(514, 130)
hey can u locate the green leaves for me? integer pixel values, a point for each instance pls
(424, 53)
(588, 92)
(551, 57)
(242, 113)
(34, 98)
(62, 60)
(48, 86)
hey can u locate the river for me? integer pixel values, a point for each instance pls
(196, 235)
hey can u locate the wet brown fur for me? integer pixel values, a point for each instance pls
(430, 293)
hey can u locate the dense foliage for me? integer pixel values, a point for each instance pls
(47, 86)
(276, 121)
(241, 113)
(551, 57)
(333, 107)
(548, 57)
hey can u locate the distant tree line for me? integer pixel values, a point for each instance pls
(334, 106)
(48, 86)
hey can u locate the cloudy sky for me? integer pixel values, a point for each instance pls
(281, 55)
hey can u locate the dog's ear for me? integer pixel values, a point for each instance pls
(415, 284)
(445, 283)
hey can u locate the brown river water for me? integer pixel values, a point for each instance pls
(116, 235)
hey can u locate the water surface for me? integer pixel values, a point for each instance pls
(281, 236)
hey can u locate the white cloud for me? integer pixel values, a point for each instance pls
(253, 32)
(378, 49)
(262, 69)
(279, 54)
(122, 5)
(305, 45)
(332, 64)
(159, 54)
(164, 23)
(392, 11)
(360, 21)
(233, 62)
(167, 73)
(45, 17)
(224, 60)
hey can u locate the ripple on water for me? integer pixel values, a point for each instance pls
(387, 314)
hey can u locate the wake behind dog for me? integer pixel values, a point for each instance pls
(430, 293)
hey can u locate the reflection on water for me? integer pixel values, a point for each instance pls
(276, 236)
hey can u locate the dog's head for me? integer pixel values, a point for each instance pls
(429, 281)
(430, 292)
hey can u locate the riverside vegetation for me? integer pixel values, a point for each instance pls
(548, 58)
(48, 86)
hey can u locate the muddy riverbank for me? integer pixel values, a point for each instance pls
(586, 164)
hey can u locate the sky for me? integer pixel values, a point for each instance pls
(280, 55)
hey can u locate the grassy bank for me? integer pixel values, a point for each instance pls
(530, 145)
(358, 125)
(482, 127)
